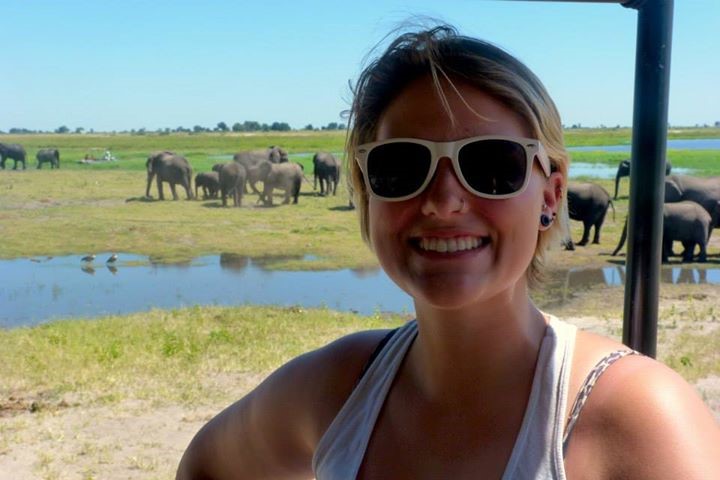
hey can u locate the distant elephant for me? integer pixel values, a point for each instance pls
(686, 222)
(14, 151)
(588, 203)
(209, 182)
(277, 154)
(326, 168)
(250, 159)
(232, 176)
(171, 168)
(624, 171)
(282, 176)
(702, 190)
(48, 155)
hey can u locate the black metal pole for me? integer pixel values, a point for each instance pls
(650, 112)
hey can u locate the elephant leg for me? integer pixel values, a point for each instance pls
(688, 251)
(161, 196)
(174, 192)
(223, 194)
(586, 234)
(666, 250)
(703, 253)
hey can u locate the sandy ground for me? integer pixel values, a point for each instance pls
(136, 440)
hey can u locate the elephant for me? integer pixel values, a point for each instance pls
(705, 191)
(232, 176)
(624, 171)
(687, 222)
(326, 169)
(588, 203)
(277, 154)
(48, 155)
(283, 176)
(209, 182)
(171, 168)
(14, 151)
(251, 159)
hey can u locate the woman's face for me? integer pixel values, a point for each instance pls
(410, 236)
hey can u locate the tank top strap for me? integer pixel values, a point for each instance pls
(537, 452)
(341, 449)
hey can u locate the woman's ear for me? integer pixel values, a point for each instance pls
(553, 191)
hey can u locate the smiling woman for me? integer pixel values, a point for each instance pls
(459, 175)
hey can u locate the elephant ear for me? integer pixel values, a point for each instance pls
(673, 192)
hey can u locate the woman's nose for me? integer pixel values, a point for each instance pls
(445, 195)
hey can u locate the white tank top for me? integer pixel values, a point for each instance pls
(538, 451)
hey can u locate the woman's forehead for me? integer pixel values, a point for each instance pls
(420, 111)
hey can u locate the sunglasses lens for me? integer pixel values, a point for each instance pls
(494, 167)
(397, 169)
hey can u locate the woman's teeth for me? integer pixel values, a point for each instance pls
(450, 245)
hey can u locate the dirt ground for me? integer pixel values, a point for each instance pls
(138, 440)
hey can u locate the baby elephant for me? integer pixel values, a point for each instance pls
(588, 203)
(48, 155)
(686, 222)
(209, 182)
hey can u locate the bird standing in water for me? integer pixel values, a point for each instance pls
(112, 258)
(88, 258)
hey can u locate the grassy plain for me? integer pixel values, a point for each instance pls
(120, 397)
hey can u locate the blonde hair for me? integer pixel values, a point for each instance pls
(445, 55)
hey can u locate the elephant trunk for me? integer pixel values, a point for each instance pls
(622, 239)
(617, 183)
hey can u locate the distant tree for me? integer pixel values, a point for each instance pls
(198, 129)
(309, 126)
(280, 127)
(341, 126)
(222, 127)
(237, 127)
(265, 127)
(79, 130)
(331, 126)
(62, 129)
(251, 126)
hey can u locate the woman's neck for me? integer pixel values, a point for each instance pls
(484, 347)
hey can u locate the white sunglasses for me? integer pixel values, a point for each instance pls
(489, 166)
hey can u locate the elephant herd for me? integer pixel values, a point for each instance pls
(691, 210)
(240, 176)
(17, 154)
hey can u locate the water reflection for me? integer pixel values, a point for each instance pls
(605, 171)
(676, 144)
(39, 289)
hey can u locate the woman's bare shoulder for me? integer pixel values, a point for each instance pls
(272, 432)
(647, 421)
(320, 381)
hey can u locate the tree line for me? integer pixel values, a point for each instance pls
(246, 126)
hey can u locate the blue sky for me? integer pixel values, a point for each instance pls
(115, 65)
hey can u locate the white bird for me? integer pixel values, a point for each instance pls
(88, 258)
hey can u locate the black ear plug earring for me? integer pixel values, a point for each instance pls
(545, 220)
